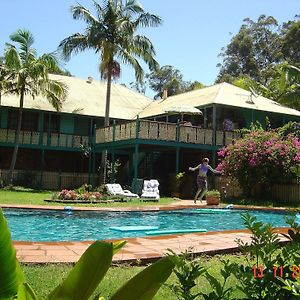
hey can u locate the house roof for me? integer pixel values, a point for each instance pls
(88, 99)
(222, 94)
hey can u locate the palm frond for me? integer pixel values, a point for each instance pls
(132, 6)
(142, 45)
(50, 60)
(130, 60)
(79, 12)
(55, 92)
(73, 44)
(148, 20)
(23, 37)
(99, 10)
(292, 99)
(12, 57)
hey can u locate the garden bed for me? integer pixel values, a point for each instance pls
(90, 201)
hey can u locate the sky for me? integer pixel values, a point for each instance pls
(191, 36)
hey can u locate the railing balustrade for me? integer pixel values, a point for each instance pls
(47, 139)
(163, 131)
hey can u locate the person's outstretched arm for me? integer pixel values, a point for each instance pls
(194, 169)
(213, 170)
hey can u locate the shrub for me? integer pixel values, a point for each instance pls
(73, 195)
(67, 195)
(213, 193)
(261, 158)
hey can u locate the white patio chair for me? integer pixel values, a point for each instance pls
(150, 190)
(115, 189)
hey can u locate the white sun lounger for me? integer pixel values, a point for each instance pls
(150, 190)
(115, 189)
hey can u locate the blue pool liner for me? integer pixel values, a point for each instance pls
(160, 232)
(133, 228)
(213, 210)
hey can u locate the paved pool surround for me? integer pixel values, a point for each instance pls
(141, 249)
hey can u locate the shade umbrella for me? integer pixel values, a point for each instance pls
(183, 110)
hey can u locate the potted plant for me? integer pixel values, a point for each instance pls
(212, 197)
(176, 180)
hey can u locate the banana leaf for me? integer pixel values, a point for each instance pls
(10, 272)
(25, 292)
(117, 246)
(87, 273)
(145, 285)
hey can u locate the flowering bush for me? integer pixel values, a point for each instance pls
(72, 195)
(261, 157)
(67, 195)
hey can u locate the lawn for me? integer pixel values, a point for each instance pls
(31, 197)
(44, 278)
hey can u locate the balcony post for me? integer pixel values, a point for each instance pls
(177, 131)
(114, 130)
(135, 166)
(214, 135)
(41, 127)
(42, 168)
(93, 154)
(49, 129)
(113, 156)
(137, 127)
(177, 160)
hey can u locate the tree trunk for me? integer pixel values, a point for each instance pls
(17, 140)
(106, 122)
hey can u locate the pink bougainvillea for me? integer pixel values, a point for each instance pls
(261, 157)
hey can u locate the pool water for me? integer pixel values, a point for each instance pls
(41, 225)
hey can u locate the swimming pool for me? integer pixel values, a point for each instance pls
(52, 225)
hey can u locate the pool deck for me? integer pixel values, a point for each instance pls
(137, 249)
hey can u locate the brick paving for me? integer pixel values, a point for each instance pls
(141, 248)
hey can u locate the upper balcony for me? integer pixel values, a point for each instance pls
(162, 131)
(44, 140)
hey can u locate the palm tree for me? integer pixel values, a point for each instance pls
(291, 96)
(28, 75)
(283, 87)
(111, 33)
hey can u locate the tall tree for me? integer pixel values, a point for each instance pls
(166, 78)
(252, 50)
(290, 36)
(258, 47)
(112, 34)
(28, 75)
(170, 79)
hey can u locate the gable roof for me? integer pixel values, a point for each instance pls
(88, 99)
(222, 94)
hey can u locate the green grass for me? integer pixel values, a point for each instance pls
(44, 278)
(31, 197)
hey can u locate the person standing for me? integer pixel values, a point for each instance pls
(202, 178)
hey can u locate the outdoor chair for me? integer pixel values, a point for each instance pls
(150, 190)
(115, 189)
